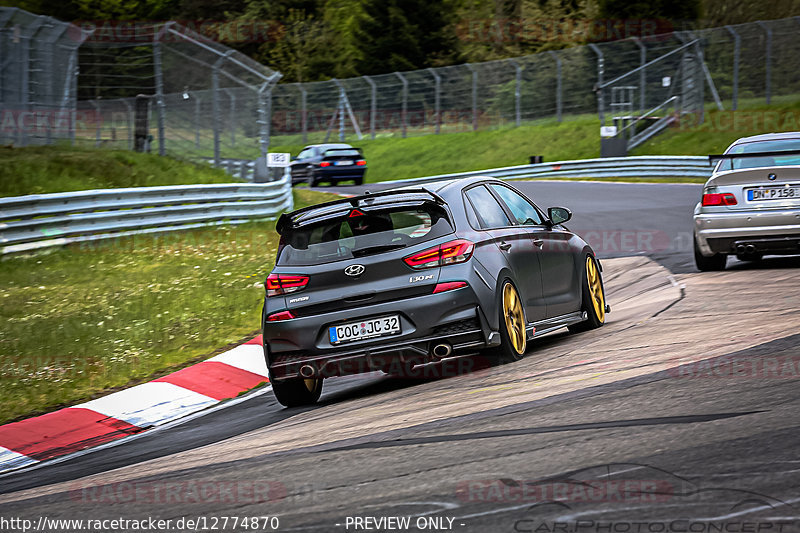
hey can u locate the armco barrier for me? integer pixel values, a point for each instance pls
(665, 166)
(41, 220)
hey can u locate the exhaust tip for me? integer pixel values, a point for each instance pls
(307, 371)
(740, 248)
(750, 248)
(442, 350)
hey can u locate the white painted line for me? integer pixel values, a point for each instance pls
(9, 459)
(248, 357)
(150, 404)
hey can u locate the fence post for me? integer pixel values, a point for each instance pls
(737, 44)
(129, 122)
(265, 112)
(768, 80)
(474, 96)
(558, 84)
(232, 121)
(197, 113)
(405, 101)
(373, 105)
(600, 68)
(437, 99)
(642, 74)
(303, 113)
(517, 93)
(215, 109)
(98, 122)
(340, 108)
(159, 79)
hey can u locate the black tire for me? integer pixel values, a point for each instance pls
(312, 181)
(359, 181)
(513, 335)
(297, 392)
(708, 263)
(593, 297)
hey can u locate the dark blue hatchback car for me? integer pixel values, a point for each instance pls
(331, 163)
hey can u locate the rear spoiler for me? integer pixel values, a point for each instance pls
(312, 213)
(359, 150)
(720, 157)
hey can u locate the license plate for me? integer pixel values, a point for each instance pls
(365, 329)
(772, 193)
(344, 162)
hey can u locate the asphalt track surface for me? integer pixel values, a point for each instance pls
(590, 432)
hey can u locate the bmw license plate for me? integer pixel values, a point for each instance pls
(344, 162)
(773, 193)
(365, 329)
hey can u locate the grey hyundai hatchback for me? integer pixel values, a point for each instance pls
(399, 278)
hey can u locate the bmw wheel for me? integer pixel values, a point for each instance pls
(512, 325)
(710, 263)
(297, 392)
(593, 297)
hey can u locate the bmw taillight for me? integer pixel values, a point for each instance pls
(325, 163)
(278, 284)
(724, 198)
(448, 253)
(361, 163)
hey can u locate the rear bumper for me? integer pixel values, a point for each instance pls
(774, 231)
(339, 173)
(452, 317)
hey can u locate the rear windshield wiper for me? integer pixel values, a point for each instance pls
(369, 250)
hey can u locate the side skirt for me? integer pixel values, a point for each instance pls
(551, 324)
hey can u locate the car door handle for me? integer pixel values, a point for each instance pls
(538, 242)
(504, 245)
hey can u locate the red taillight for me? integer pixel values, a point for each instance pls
(282, 315)
(361, 163)
(449, 286)
(325, 164)
(724, 198)
(278, 284)
(448, 253)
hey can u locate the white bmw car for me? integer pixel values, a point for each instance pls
(751, 204)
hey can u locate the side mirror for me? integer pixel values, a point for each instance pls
(558, 215)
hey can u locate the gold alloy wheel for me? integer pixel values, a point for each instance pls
(595, 289)
(515, 318)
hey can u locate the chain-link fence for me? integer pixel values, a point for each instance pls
(209, 102)
(663, 74)
(38, 59)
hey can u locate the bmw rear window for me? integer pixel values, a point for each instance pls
(371, 232)
(342, 152)
(780, 145)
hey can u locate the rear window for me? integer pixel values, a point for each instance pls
(781, 145)
(346, 153)
(353, 237)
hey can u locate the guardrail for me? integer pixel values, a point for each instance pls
(42, 220)
(666, 166)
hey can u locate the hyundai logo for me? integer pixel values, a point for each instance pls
(354, 270)
(772, 177)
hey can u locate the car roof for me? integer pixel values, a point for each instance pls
(767, 137)
(328, 145)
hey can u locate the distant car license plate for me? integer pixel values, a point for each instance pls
(344, 162)
(365, 329)
(773, 193)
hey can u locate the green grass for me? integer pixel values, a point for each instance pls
(721, 128)
(85, 319)
(43, 169)
(397, 158)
